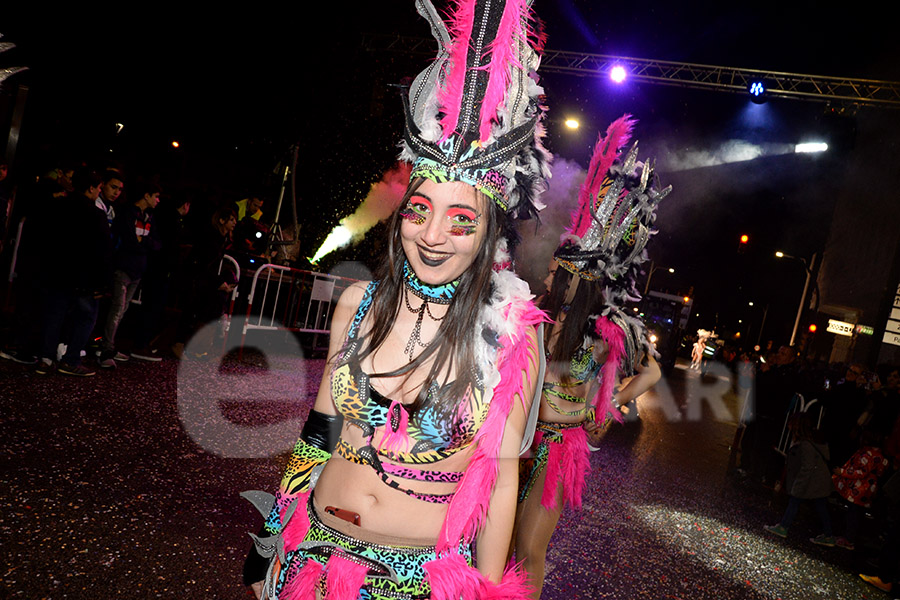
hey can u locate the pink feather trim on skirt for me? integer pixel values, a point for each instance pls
(567, 465)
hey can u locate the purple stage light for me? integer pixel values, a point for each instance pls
(618, 74)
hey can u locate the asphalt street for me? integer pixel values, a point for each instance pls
(127, 485)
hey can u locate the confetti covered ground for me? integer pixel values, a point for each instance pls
(126, 485)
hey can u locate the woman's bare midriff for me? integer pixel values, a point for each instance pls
(548, 415)
(383, 509)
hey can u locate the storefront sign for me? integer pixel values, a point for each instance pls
(840, 327)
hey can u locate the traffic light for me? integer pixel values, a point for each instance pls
(812, 328)
(743, 242)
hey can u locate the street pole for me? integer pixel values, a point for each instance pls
(809, 270)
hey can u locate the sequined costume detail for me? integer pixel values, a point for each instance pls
(426, 439)
(582, 368)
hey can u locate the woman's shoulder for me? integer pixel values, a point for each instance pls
(350, 300)
(353, 294)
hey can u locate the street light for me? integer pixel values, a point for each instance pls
(809, 267)
(653, 268)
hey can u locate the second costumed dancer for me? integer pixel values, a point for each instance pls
(403, 484)
(593, 340)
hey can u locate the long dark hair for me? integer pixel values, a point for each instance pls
(454, 342)
(588, 300)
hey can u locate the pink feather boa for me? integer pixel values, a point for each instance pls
(605, 152)
(451, 578)
(469, 505)
(513, 586)
(569, 461)
(296, 528)
(344, 578)
(303, 584)
(614, 337)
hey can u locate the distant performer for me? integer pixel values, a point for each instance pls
(698, 349)
(592, 340)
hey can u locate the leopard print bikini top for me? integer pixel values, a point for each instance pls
(582, 368)
(421, 441)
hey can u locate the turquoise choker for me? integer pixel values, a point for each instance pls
(439, 294)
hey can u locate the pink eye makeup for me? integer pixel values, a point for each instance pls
(462, 221)
(416, 210)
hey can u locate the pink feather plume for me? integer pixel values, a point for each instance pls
(303, 585)
(503, 58)
(615, 341)
(344, 578)
(605, 152)
(396, 440)
(297, 527)
(450, 97)
(514, 585)
(451, 578)
(570, 461)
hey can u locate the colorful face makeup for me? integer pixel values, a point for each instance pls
(416, 210)
(463, 221)
(460, 220)
(441, 230)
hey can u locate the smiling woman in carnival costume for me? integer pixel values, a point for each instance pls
(403, 484)
(592, 341)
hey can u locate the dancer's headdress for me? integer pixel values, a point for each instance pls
(474, 114)
(613, 222)
(605, 243)
(6, 72)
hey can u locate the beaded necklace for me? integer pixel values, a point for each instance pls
(436, 294)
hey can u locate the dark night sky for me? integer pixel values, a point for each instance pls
(238, 90)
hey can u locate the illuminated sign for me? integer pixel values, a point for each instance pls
(840, 327)
(892, 328)
(865, 330)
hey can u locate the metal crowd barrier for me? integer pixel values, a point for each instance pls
(798, 404)
(226, 318)
(287, 299)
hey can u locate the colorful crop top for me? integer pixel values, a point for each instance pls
(421, 441)
(582, 368)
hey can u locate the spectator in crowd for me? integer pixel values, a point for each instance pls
(113, 185)
(249, 208)
(171, 231)
(887, 573)
(33, 214)
(856, 481)
(134, 239)
(776, 385)
(808, 478)
(210, 281)
(883, 399)
(81, 255)
(845, 404)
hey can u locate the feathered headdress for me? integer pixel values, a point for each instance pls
(613, 222)
(6, 72)
(474, 115)
(605, 243)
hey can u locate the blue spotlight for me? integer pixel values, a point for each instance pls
(757, 90)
